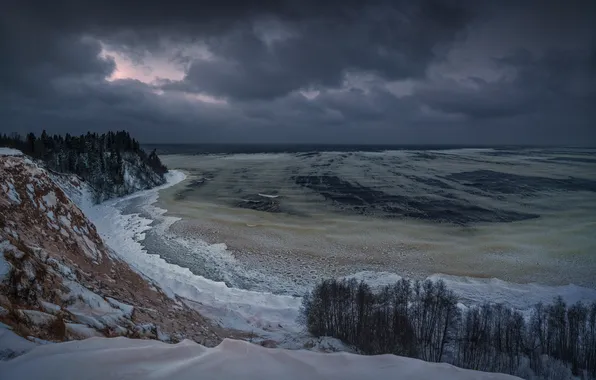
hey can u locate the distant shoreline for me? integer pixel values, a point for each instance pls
(165, 149)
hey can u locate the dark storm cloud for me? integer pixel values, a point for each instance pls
(539, 84)
(175, 14)
(465, 72)
(394, 42)
(32, 57)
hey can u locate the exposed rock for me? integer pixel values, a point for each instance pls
(62, 282)
(269, 343)
(147, 331)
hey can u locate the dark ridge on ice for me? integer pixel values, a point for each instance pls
(364, 200)
(506, 183)
(259, 203)
(574, 160)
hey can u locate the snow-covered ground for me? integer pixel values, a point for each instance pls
(100, 358)
(270, 315)
(10, 152)
(11, 344)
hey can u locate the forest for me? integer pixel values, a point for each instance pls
(424, 319)
(113, 163)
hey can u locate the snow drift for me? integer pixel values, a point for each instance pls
(100, 358)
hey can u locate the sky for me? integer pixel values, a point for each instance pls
(302, 71)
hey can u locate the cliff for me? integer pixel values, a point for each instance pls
(112, 164)
(59, 281)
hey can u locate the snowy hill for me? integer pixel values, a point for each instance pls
(10, 152)
(59, 281)
(232, 359)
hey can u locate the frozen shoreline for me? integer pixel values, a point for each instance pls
(268, 314)
(233, 308)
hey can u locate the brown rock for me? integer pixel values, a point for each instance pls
(269, 343)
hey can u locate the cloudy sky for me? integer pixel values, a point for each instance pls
(302, 71)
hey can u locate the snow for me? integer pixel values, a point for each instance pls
(127, 309)
(91, 250)
(522, 297)
(65, 221)
(63, 269)
(12, 193)
(92, 309)
(476, 291)
(81, 331)
(29, 270)
(163, 336)
(11, 232)
(38, 318)
(268, 195)
(49, 307)
(38, 340)
(326, 344)
(72, 187)
(31, 198)
(31, 193)
(50, 199)
(5, 246)
(5, 266)
(98, 358)
(12, 345)
(84, 318)
(10, 152)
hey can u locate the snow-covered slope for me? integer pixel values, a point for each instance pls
(134, 175)
(10, 152)
(59, 281)
(121, 358)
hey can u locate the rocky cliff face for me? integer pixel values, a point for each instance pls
(132, 174)
(112, 164)
(59, 281)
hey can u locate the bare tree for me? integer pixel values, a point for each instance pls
(422, 320)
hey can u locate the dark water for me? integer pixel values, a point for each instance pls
(313, 148)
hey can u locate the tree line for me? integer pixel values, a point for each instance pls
(422, 320)
(112, 163)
